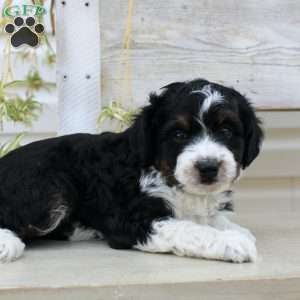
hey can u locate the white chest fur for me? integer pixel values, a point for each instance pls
(198, 208)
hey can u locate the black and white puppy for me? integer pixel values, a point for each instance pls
(162, 185)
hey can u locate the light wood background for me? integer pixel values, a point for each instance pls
(252, 45)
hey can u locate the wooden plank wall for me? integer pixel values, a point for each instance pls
(253, 45)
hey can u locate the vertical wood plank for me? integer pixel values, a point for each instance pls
(78, 65)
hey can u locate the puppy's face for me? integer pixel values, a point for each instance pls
(202, 135)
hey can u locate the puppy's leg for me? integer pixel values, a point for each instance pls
(186, 238)
(222, 223)
(11, 247)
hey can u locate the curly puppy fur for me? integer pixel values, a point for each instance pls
(162, 185)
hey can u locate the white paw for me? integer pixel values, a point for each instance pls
(248, 233)
(238, 247)
(11, 247)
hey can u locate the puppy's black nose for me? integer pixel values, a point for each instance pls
(208, 170)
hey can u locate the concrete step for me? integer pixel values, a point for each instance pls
(91, 270)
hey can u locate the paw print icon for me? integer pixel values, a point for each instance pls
(24, 31)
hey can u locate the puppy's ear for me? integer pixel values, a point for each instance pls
(253, 133)
(144, 131)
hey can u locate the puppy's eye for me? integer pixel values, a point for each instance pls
(179, 135)
(227, 132)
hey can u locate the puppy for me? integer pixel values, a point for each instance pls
(162, 185)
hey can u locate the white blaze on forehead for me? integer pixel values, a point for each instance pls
(212, 97)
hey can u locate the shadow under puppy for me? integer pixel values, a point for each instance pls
(162, 185)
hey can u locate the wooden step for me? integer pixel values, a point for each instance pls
(91, 270)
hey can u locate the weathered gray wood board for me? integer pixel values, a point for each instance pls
(252, 45)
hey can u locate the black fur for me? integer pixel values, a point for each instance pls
(95, 178)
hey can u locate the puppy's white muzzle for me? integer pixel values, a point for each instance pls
(205, 166)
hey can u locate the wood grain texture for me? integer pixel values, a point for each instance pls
(252, 45)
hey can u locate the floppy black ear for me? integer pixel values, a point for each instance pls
(143, 131)
(253, 133)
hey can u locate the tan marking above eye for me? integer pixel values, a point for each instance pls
(223, 117)
(183, 122)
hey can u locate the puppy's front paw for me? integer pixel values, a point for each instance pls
(238, 247)
(247, 233)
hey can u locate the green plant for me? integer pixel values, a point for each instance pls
(115, 111)
(16, 109)
(11, 145)
(18, 101)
